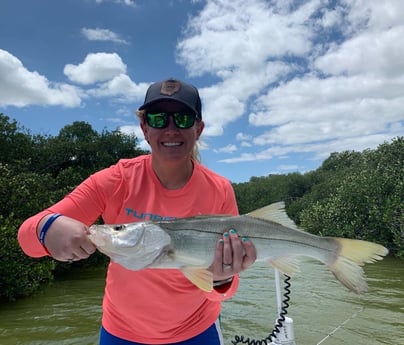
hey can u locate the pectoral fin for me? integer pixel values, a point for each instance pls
(287, 265)
(200, 277)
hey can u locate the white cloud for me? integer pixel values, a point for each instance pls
(243, 137)
(120, 86)
(226, 149)
(96, 67)
(331, 17)
(311, 76)
(225, 102)
(220, 107)
(130, 3)
(317, 150)
(334, 100)
(370, 53)
(242, 43)
(374, 15)
(290, 77)
(21, 87)
(227, 35)
(137, 131)
(246, 144)
(99, 34)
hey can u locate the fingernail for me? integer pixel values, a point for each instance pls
(232, 231)
(244, 239)
(226, 234)
(221, 241)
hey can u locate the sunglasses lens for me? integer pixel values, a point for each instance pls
(160, 120)
(184, 120)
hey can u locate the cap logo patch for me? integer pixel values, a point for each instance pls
(170, 87)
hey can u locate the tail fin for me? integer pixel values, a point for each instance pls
(352, 255)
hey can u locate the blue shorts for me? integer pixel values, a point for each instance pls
(212, 336)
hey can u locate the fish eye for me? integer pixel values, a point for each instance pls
(119, 227)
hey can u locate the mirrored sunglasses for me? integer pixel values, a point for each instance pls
(181, 119)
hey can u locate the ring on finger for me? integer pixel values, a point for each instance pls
(227, 266)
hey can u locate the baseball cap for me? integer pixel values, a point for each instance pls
(176, 90)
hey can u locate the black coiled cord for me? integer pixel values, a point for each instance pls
(239, 339)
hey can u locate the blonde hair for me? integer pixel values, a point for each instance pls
(195, 155)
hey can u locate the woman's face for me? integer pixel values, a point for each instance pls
(171, 143)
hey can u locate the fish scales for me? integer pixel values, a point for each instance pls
(271, 239)
(188, 244)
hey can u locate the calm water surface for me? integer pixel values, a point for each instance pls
(323, 312)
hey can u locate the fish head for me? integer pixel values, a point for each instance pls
(134, 246)
(115, 235)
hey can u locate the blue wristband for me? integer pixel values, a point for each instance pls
(46, 227)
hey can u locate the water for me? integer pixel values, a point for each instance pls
(66, 313)
(69, 311)
(319, 306)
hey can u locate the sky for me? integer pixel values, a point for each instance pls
(284, 83)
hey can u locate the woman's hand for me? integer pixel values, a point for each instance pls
(67, 240)
(232, 256)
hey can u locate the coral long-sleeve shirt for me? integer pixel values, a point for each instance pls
(152, 306)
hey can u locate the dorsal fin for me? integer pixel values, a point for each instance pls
(275, 213)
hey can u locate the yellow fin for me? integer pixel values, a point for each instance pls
(287, 265)
(352, 255)
(275, 213)
(199, 276)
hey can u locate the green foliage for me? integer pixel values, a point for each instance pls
(79, 148)
(14, 144)
(19, 274)
(367, 199)
(261, 191)
(37, 171)
(323, 182)
(353, 194)
(24, 193)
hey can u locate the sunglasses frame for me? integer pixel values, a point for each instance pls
(175, 115)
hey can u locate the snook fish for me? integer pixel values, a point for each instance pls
(188, 244)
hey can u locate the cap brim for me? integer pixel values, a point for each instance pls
(171, 99)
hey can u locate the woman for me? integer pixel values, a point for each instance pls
(151, 306)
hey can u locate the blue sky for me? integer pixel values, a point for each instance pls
(283, 83)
